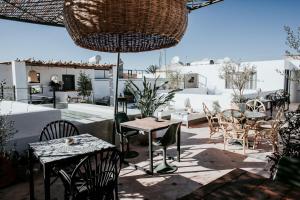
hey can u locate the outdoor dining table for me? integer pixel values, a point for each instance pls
(149, 125)
(57, 151)
(253, 115)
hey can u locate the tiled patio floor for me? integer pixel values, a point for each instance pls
(203, 161)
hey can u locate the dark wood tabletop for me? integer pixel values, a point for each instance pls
(240, 184)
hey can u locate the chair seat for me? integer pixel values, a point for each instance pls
(157, 141)
(130, 133)
(265, 126)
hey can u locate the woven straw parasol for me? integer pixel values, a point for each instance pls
(126, 25)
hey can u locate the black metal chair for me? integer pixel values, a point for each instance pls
(58, 129)
(95, 177)
(125, 133)
(55, 130)
(166, 140)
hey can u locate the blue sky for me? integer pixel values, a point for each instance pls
(245, 30)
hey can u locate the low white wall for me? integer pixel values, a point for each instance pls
(13, 107)
(63, 96)
(29, 120)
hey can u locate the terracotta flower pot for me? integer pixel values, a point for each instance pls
(7, 172)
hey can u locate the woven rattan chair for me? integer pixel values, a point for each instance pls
(234, 128)
(255, 105)
(213, 121)
(269, 130)
(95, 177)
(58, 129)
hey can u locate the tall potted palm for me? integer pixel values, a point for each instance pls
(148, 98)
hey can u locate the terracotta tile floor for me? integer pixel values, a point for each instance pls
(203, 161)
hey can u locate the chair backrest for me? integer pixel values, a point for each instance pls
(169, 137)
(58, 129)
(288, 171)
(120, 118)
(278, 117)
(255, 105)
(206, 110)
(232, 121)
(97, 174)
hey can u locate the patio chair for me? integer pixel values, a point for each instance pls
(166, 140)
(125, 133)
(255, 105)
(269, 129)
(288, 171)
(58, 129)
(213, 121)
(95, 177)
(55, 130)
(234, 128)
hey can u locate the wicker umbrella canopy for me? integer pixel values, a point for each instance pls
(127, 25)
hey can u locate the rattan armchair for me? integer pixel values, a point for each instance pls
(213, 121)
(255, 105)
(231, 122)
(269, 129)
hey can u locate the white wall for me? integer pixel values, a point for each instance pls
(6, 74)
(101, 88)
(268, 78)
(29, 121)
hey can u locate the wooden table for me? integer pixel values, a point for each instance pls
(240, 184)
(149, 125)
(56, 151)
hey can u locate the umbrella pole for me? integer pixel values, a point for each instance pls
(116, 99)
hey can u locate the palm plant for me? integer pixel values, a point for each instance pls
(152, 69)
(148, 99)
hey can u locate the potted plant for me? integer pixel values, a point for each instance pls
(148, 99)
(128, 94)
(236, 78)
(84, 86)
(7, 173)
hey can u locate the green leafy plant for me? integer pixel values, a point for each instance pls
(237, 78)
(216, 108)
(84, 85)
(293, 41)
(152, 69)
(148, 99)
(7, 131)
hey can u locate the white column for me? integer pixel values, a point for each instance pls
(294, 90)
(113, 85)
(19, 76)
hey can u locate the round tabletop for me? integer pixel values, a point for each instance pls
(248, 114)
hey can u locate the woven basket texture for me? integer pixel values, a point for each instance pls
(125, 25)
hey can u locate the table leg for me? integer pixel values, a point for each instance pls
(47, 181)
(30, 166)
(178, 144)
(150, 153)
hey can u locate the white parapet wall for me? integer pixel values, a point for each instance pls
(29, 121)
